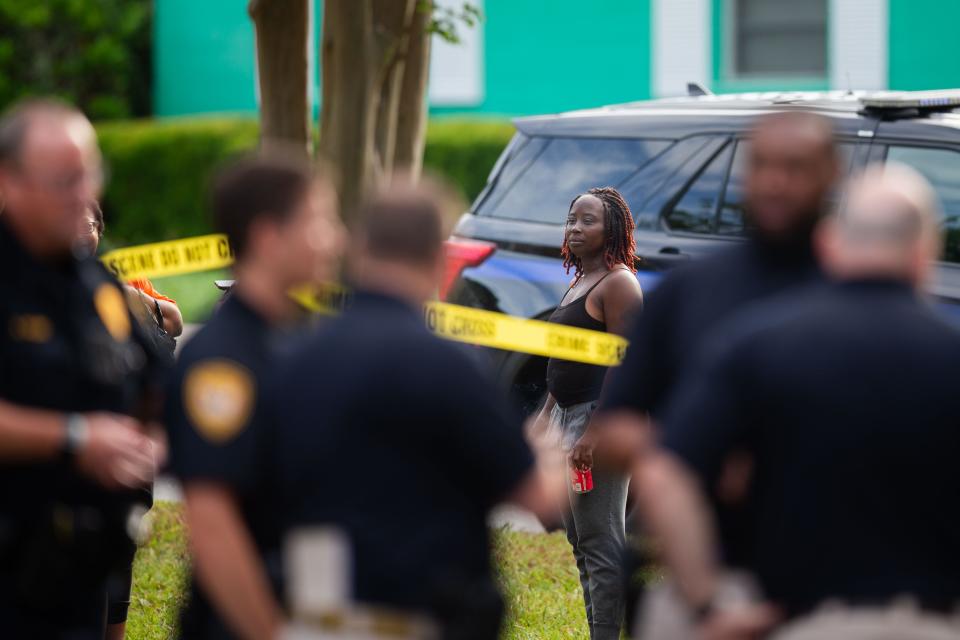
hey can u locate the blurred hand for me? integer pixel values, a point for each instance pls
(620, 440)
(536, 426)
(581, 456)
(742, 623)
(116, 454)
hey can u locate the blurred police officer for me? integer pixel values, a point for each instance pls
(74, 368)
(792, 171)
(845, 396)
(394, 437)
(281, 222)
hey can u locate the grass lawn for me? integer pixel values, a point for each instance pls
(537, 571)
(195, 293)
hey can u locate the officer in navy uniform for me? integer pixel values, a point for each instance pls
(78, 382)
(395, 438)
(845, 396)
(792, 170)
(282, 226)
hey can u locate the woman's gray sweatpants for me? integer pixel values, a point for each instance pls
(596, 531)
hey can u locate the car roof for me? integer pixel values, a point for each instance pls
(676, 117)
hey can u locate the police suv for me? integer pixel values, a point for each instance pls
(680, 165)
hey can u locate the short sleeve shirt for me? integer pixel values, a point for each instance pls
(845, 399)
(68, 343)
(214, 419)
(690, 301)
(395, 436)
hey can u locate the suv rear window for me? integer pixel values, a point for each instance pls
(942, 168)
(541, 179)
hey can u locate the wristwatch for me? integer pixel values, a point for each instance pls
(76, 436)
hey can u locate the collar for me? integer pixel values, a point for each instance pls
(879, 284)
(15, 257)
(235, 304)
(367, 299)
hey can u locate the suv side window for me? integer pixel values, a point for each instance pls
(539, 184)
(696, 210)
(707, 190)
(942, 168)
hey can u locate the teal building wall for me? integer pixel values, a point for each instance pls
(924, 44)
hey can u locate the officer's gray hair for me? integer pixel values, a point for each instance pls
(16, 121)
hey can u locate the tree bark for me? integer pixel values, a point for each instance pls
(391, 26)
(281, 31)
(348, 117)
(411, 123)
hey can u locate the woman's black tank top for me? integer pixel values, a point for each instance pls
(576, 382)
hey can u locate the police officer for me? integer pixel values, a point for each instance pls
(393, 437)
(792, 170)
(845, 397)
(75, 386)
(281, 223)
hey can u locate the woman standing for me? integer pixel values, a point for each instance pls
(598, 244)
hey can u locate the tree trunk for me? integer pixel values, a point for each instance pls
(391, 25)
(281, 29)
(349, 109)
(411, 124)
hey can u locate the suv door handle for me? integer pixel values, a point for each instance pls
(670, 251)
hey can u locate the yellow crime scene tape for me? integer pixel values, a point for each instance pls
(451, 321)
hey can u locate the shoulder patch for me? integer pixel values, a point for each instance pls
(113, 312)
(218, 398)
(31, 327)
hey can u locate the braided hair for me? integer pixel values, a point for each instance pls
(619, 245)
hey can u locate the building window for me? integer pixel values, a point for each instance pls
(777, 38)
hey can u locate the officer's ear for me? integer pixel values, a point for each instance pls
(263, 237)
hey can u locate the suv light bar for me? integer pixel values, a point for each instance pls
(928, 100)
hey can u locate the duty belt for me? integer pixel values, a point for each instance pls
(362, 623)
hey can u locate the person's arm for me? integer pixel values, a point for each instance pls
(31, 434)
(674, 508)
(539, 424)
(226, 562)
(676, 514)
(621, 298)
(172, 318)
(112, 451)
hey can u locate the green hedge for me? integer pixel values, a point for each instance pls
(158, 170)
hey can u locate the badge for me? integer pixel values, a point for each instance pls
(218, 398)
(31, 327)
(113, 311)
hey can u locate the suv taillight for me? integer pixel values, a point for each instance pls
(460, 254)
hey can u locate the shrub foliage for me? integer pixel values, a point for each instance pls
(159, 170)
(93, 53)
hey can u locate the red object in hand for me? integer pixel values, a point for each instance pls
(582, 480)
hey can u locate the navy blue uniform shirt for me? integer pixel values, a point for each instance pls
(213, 415)
(394, 436)
(68, 343)
(846, 399)
(689, 302)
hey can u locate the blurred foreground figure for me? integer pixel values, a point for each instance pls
(845, 397)
(282, 225)
(792, 169)
(78, 380)
(158, 315)
(393, 439)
